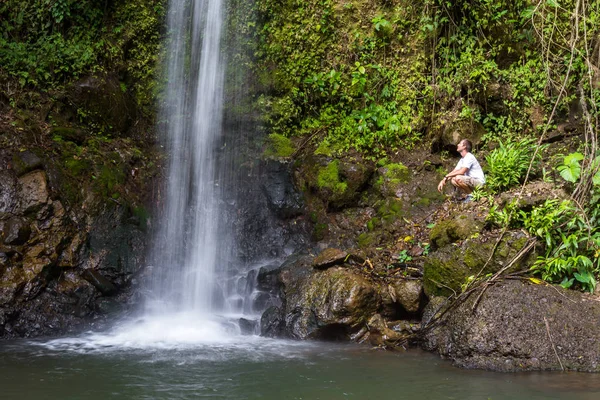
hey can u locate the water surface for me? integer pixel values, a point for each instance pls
(242, 367)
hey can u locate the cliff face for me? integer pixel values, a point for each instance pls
(73, 225)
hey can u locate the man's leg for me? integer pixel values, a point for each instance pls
(462, 183)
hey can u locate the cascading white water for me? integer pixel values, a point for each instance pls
(189, 236)
(198, 289)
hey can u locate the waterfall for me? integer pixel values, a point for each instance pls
(191, 240)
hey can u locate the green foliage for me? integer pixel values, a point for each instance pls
(570, 169)
(48, 43)
(335, 77)
(382, 25)
(404, 257)
(508, 164)
(571, 233)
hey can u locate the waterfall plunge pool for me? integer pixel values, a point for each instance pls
(134, 364)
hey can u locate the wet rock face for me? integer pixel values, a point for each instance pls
(15, 231)
(54, 275)
(33, 191)
(282, 197)
(264, 210)
(8, 191)
(519, 327)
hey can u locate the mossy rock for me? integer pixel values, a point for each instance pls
(367, 239)
(391, 178)
(328, 178)
(68, 134)
(278, 146)
(26, 161)
(390, 211)
(337, 182)
(452, 129)
(101, 102)
(448, 268)
(330, 304)
(458, 228)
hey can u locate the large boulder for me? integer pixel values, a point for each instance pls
(26, 161)
(448, 268)
(391, 178)
(409, 295)
(517, 326)
(332, 304)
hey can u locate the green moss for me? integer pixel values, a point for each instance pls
(77, 167)
(391, 210)
(329, 178)
(328, 149)
(320, 231)
(397, 173)
(424, 202)
(109, 177)
(279, 146)
(373, 224)
(142, 215)
(69, 134)
(391, 177)
(365, 240)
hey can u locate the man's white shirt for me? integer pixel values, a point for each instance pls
(473, 168)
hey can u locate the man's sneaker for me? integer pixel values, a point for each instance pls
(468, 198)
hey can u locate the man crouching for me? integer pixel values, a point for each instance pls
(467, 174)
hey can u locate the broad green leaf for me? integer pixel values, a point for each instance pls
(584, 277)
(567, 283)
(570, 170)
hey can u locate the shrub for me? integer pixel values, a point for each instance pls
(508, 164)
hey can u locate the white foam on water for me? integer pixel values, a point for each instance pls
(182, 338)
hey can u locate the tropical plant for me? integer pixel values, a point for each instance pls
(570, 230)
(509, 162)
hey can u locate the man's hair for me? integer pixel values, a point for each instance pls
(468, 144)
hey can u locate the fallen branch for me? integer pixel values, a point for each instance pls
(492, 280)
(552, 343)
